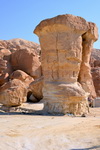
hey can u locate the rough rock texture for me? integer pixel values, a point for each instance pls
(30, 52)
(96, 79)
(36, 88)
(13, 93)
(61, 43)
(95, 58)
(21, 75)
(28, 61)
(5, 71)
(15, 44)
(95, 69)
(5, 67)
(85, 77)
(19, 59)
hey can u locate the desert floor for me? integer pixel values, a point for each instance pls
(40, 132)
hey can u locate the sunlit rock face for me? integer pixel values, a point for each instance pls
(85, 77)
(61, 40)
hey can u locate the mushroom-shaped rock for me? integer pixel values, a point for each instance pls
(61, 56)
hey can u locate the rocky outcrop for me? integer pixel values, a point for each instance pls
(85, 77)
(19, 61)
(15, 44)
(61, 56)
(21, 55)
(95, 69)
(13, 93)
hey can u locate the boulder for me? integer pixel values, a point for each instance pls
(36, 88)
(21, 75)
(28, 61)
(13, 93)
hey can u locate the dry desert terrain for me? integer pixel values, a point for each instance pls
(46, 132)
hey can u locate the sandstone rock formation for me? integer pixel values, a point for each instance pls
(15, 44)
(13, 93)
(95, 69)
(85, 77)
(3, 73)
(36, 88)
(17, 54)
(28, 61)
(61, 43)
(96, 79)
(21, 75)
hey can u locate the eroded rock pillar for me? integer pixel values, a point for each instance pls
(85, 77)
(61, 49)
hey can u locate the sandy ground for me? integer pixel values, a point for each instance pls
(40, 132)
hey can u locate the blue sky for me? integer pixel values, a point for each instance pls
(18, 18)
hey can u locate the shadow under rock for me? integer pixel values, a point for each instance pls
(90, 148)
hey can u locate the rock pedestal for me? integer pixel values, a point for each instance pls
(61, 53)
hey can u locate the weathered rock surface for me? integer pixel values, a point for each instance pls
(5, 67)
(85, 77)
(36, 88)
(28, 48)
(13, 93)
(21, 75)
(61, 44)
(19, 61)
(96, 79)
(95, 58)
(3, 74)
(95, 69)
(28, 61)
(5, 71)
(15, 44)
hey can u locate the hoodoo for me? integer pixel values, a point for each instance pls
(62, 46)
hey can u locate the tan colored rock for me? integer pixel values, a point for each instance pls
(85, 77)
(28, 61)
(36, 88)
(5, 71)
(96, 79)
(5, 67)
(61, 43)
(13, 93)
(3, 44)
(95, 69)
(21, 75)
(16, 44)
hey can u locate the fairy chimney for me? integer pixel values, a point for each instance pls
(61, 57)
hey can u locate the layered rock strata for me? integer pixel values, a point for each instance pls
(61, 56)
(85, 77)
